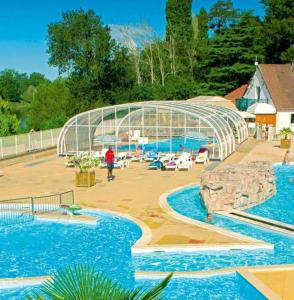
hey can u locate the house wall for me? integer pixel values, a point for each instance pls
(251, 92)
(284, 120)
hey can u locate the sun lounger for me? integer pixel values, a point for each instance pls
(155, 165)
(137, 157)
(185, 156)
(120, 164)
(122, 155)
(1, 173)
(136, 135)
(202, 157)
(171, 166)
(151, 156)
(168, 157)
(183, 164)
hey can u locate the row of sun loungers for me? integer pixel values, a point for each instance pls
(183, 162)
(168, 161)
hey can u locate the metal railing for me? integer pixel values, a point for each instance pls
(28, 142)
(20, 210)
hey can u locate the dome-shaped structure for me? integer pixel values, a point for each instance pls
(164, 125)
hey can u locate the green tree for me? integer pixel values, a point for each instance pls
(222, 15)
(80, 46)
(231, 54)
(279, 30)
(36, 79)
(12, 85)
(179, 34)
(9, 123)
(200, 27)
(84, 283)
(50, 106)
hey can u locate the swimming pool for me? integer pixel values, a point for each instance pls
(187, 203)
(225, 286)
(188, 144)
(281, 206)
(41, 247)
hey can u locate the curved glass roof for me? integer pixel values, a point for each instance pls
(155, 121)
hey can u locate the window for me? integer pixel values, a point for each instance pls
(292, 118)
(258, 93)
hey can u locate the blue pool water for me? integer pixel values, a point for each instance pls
(281, 206)
(226, 286)
(164, 145)
(41, 247)
(187, 203)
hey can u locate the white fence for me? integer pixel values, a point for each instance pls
(29, 142)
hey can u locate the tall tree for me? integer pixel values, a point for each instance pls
(179, 33)
(80, 45)
(222, 15)
(231, 54)
(9, 123)
(50, 106)
(279, 30)
(12, 84)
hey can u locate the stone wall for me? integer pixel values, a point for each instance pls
(237, 186)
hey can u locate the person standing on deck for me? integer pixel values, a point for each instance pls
(286, 160)
(109, 158)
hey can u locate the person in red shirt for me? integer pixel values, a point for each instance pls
(109, 158)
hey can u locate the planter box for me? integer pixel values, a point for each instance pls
(85, 179)
(285, 144)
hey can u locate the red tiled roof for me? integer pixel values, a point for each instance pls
(237, 93)
(279, 80)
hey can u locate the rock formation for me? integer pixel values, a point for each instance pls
(237, 186)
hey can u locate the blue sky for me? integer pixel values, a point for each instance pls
(23, 24)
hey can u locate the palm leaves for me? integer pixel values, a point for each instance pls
(285, 132)
(82, 282)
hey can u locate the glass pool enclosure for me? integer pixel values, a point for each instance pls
(151, 122)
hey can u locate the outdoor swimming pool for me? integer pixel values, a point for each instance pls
(187, 203)
(226, 286)
(281, 206)
(41, 247)
(188, 144)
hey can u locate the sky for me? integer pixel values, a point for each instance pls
(24, 23)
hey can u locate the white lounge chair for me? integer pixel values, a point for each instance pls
(168, 157)
(137, 157)
(183, 164)
(136, 135)
(171, 166)
(185, 156)
(202, 158)
(122, 155)
(120, 164)
(151, 156)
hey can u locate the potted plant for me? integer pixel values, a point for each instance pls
(86, 163)
(285, 138)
